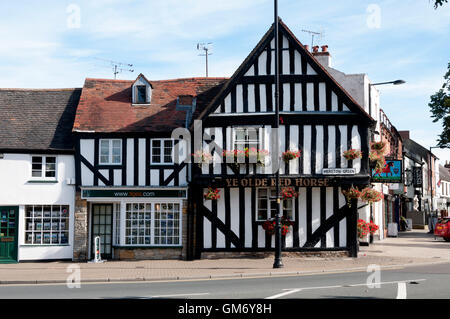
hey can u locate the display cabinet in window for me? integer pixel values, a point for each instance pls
(47, 225)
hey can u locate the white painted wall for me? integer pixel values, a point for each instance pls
(16, 190)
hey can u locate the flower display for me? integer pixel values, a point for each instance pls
(352, 154)
(247, 153)
(365, 228)
(212, 194)
(379, 160)
(351, 194)
(378, 147)
(371, 195)
(201, 157)
(290, 155)
(285, 223)
(288, 193)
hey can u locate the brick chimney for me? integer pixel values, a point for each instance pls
(324, 57)
(404, 134)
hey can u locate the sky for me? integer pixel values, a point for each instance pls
(57, 44)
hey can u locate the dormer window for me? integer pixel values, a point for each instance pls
(141, 91)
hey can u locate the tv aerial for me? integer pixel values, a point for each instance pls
(118, 67)
(205, 47)
(320, 35)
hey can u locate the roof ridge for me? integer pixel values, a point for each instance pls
(163, 80)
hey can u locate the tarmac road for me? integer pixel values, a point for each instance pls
(426, 281)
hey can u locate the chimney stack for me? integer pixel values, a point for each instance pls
(323, 57)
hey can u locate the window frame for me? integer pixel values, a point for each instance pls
(123, 224)
(43, 176)
(268, 210)
(161, 149)
(260, 141)
(110, 151)
(36, 218)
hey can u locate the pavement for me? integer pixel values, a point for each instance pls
(411, 248)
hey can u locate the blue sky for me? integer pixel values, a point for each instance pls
(44, 46)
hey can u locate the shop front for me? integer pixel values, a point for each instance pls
(136, 223)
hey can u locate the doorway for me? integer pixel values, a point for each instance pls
(102, 220)
(8, 233)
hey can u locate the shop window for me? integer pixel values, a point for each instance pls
(43, 167)
(110, 151)
(153, 224)
(47, 225)
(267, 205)
(162, 150)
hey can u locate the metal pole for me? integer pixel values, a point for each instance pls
(206, 50)
(277, 262)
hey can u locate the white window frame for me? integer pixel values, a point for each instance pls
(161, 154)
(268, 205)
(36, 218)
(110, 154)
(43, 168)
(152, 203)
(259, 139)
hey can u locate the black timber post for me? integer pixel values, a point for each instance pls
(352, 230)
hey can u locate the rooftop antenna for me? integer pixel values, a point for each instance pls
(205, 47)
(118, 67)
(314, 33)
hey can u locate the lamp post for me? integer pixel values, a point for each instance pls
(277, 261)
(396, 82)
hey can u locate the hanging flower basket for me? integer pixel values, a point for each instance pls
(201, 158)
(363, 229)
(285, 224)
(352, 154)
(378, 147)
(212, 194)
(290, 155)
(372, 227)
(288, 193)
(377, 161)
(371, 195)
(350, 194)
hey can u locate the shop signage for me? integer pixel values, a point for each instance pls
(272, 182)
(136, 193)
(417, 177)
(339, 171)
(391, 173)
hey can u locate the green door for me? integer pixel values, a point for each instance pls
(9, 216)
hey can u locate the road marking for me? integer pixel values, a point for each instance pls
(401, 293)
(283, 294)
(181, 295)
(401, 288)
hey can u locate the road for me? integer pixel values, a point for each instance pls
(426, 281)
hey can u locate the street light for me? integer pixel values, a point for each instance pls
(396, 82)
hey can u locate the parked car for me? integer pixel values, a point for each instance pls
(442, 228)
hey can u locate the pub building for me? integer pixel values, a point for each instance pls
(37, 174)
(318, 118)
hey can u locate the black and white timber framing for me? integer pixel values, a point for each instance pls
(317, 117)
(135, 168)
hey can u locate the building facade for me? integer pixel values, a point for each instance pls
(318, 118)
(37, 169)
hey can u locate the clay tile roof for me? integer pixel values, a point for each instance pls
(37, 119)
(106, 105)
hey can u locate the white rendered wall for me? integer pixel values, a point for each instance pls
(16, 190)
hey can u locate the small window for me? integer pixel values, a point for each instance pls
(162, 150)
(43, 167)
(141, 94)
(267, 205)
(111, 152)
